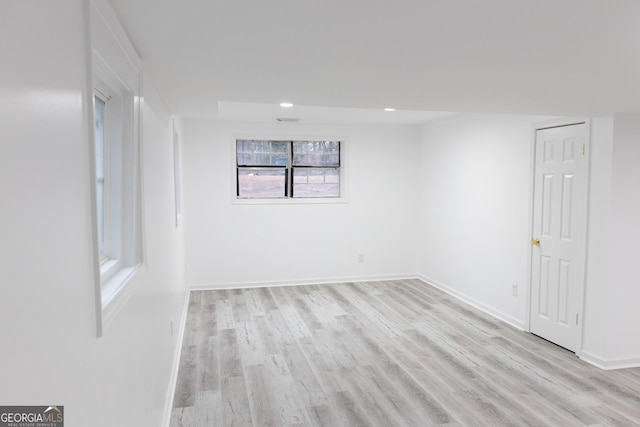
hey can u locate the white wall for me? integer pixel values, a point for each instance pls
(475, 205)
(610, 338)
(50, 353)
(623, 340)
(598, 239)
(230, 244)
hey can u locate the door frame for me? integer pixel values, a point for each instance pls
(582, 249)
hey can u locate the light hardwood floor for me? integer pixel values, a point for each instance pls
(394, 353)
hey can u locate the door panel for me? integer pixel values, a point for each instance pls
(544, 281)
(563, 292)
(566, 214)
(557, 272)
(547, 203)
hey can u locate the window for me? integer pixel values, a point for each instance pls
(116, 101)
(117, 184)
(270, 169)
(177, 173)
(99, 115)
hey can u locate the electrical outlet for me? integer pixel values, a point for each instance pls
(514, 290)
(360, 257)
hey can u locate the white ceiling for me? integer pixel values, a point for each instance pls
(556, 57)
(255, 112)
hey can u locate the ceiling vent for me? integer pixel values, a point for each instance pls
(288, 119)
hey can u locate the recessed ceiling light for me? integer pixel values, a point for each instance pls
(389, 109)
(286, 104)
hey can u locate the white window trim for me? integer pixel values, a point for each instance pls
(116, 72)
(344, 144)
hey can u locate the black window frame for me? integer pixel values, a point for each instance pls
(289, 168)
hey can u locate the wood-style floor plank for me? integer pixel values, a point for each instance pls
(394, 353)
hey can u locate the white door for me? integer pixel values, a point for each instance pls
(558, 233)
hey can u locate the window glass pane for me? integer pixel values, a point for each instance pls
(261, 183)
(312, 168)
(261, 153)
(279, 146)
(316, 153)
(259, 146)
(309, 182)
(99, 117)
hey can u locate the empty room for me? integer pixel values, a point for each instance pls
(320, 213)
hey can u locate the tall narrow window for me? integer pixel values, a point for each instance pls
(177, 174)
(268, 169)
(100, 106)
(116, 73)
(117, 186)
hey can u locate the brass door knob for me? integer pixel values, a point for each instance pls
(535, 242)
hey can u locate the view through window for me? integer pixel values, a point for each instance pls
(269, 169)
(100, 105)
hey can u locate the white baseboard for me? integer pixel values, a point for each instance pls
(173, 379)
(609, 364)
(321, 281)
(516, 323)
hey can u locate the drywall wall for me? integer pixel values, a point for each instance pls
(611, 315)
(623, 340)
(475, 209)
(235, 244)
(596, 304)
(50, 353)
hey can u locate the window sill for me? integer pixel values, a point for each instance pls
(292, 201)
(116, 291)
